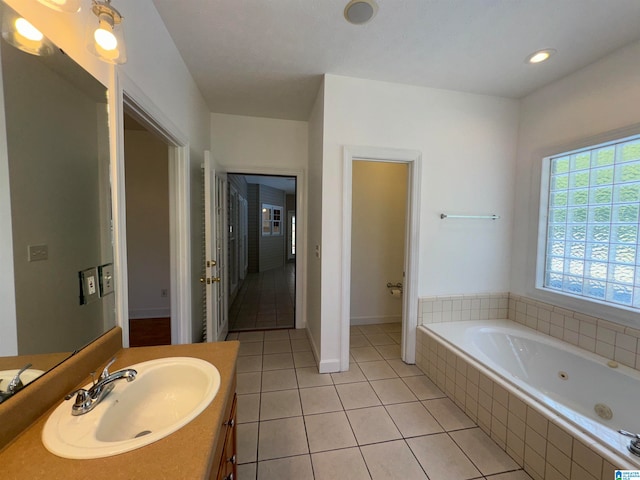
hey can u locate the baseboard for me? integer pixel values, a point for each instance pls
(376, 320)
(149, 313)
(329, 366)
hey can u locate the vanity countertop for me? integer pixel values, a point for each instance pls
(185, 454)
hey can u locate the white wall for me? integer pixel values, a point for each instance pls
(156, 69)
(575, 111)
(314, 230)
(240, 142)
(468, 145)
(379, 204)
(147, 186)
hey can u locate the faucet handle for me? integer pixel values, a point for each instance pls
(629, 434)
(82, 402)
(16, 383)
(105, 371)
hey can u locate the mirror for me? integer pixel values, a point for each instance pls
(55, 217)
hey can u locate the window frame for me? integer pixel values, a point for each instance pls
(272, 209)
(564, 298)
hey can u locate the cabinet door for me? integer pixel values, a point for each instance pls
(227, 469)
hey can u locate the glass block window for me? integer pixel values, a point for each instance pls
(592, 221)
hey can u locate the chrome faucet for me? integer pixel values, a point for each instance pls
(14, 385)
(86, 400)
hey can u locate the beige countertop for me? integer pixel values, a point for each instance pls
(185, 454)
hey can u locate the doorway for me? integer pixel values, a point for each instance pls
(261, 253)
(378, 226)
(412, 158)
(148, 239)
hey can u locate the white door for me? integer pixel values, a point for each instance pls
(215, 185)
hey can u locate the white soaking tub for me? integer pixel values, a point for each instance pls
(595, 396)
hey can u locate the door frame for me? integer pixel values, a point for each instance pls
(140, 107)
(413, 159)
(301, 231)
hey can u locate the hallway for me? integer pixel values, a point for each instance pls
(265, 300)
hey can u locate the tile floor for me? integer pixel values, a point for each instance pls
(265, 300)
(382, 419)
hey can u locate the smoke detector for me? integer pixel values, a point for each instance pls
(360, 12)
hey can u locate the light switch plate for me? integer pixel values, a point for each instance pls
(89, 288)
(37, 253)
(105, 272)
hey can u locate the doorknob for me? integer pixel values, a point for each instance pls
(207, 280)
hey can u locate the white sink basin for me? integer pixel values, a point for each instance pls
(27, 376)
(166, 395)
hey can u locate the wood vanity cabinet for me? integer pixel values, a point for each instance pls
(226, 448)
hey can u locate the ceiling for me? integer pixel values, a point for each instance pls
(286, 184)
(266, 57)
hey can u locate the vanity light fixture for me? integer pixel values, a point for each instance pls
(540, 56)
(70, 6)
(105, 39)
(20, 33)
(360, 12)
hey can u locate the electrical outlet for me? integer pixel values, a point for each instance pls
(164, 293)
(89, 290)
(38, 253)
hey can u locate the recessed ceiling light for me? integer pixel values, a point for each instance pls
(359, 12)
(540, 55)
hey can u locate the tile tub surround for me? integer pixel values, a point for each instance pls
(535, 439)
(382, 419)
(608, 339)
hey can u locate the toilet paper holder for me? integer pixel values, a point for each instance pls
(395, 289)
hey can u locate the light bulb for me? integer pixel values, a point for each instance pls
(28, 31)
(540, 55)
(106, 39)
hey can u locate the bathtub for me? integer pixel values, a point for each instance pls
(591, 395)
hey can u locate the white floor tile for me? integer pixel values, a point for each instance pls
(441, 458)
(309, 377)
(357, 395)
(346, 464)
(413, 419)
(392, 390)
(372, 425)
(365, 354)
(320, 400)
(354, 374)
(277, 346)
(282, 438)
(248, 408)
(392, 461)
(248, 382)
(291, 467)
(277, 361)
(273, 380)
(423, 388)
(247, 442)
(377, 370)
(281, 404)
(329, 431)
(251, 363)
(483, 452)
(448, 414)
